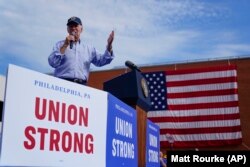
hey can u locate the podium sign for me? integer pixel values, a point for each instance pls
(122, 134)
(48, 121)
(152, 144)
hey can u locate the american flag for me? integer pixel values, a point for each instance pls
(195, 107)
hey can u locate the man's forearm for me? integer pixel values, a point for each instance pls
(63, 48)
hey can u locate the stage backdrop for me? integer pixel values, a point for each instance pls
(52, 122)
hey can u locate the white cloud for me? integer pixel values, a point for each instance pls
(230, 49)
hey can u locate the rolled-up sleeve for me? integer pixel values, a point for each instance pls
(101, 59)
(55, 58)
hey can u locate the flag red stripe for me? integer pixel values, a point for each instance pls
(206, 143)
(201, 81)
(201, 130)
(203, 93)
(195, 118)
(203, 105)
(210, 69)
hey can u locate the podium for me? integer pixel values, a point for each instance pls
(132, 89)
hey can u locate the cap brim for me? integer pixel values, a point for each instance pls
(73, 22)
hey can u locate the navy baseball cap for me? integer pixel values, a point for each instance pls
(74, 20)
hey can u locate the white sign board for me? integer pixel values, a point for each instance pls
(51, 122)
(2, 87)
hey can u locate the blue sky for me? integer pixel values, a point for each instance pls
(146, 31)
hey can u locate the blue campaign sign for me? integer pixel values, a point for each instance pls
(152, 145)
(121, 144)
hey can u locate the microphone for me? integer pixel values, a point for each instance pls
(71, 42)
(132, 66)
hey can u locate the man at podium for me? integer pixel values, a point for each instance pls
(72, 58)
